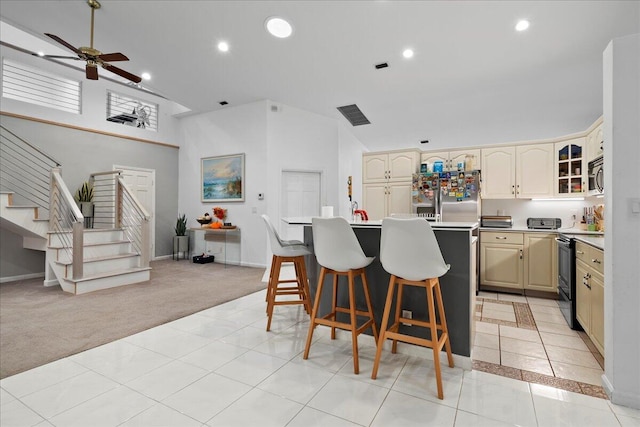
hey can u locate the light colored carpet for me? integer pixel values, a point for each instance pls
(41, 324)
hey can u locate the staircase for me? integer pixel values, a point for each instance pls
(79, 260)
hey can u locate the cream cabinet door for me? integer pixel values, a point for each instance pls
(534, 171)
(595, 143)
(597, 311)
(402, 166)
(498, 173)
(465, 156)
(398, 198)
(374, 199)
(431, 158)
(570, 167)
(583, 296)
(501, 265)
(375, 167)
(540, 266)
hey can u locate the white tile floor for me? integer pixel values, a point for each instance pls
(220, 368)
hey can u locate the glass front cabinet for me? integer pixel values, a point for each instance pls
(570, 168)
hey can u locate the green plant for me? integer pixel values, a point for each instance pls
(181, 226)
(84, 193)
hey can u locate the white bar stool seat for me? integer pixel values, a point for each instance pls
(339, 253)
(285, 251)
(410, 252)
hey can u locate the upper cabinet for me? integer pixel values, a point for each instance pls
(595, 142)
(392, 166)
(524, 171)
(570, 167)
(450, 159)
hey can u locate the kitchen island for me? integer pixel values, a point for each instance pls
(458, 243)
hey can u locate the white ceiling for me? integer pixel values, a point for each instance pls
(473, 80)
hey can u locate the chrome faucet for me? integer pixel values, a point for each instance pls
(354, 208)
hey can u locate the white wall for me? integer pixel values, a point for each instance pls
(351, 150)
(622, 239)
(94, 102)
(233, 130)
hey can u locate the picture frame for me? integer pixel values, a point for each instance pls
(222, 178)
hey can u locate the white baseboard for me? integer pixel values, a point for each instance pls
(159, 258)
(21, 277)
(52, 282)
(621, 398)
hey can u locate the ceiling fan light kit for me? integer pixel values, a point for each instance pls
(93, 57)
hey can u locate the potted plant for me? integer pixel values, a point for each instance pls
(84, 198)
(181, 240)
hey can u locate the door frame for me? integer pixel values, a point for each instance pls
(152, 213)
(321, 192)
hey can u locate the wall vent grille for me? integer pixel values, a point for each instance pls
(29, 84)
(354, 115)
(131, 112)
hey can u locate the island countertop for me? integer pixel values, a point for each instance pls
(306, 220)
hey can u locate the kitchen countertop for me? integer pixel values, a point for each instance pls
(595, 241)
(306, 220)
(572, 231)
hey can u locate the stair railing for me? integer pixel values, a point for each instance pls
(133, 218)
(25, 170)
(66, 223)
(105, 186)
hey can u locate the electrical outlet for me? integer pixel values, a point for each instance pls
(407, 314)
(574, 214)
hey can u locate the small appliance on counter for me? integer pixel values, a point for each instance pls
(496, 221)
(544, 223)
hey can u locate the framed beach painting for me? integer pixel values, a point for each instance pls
(222, 178)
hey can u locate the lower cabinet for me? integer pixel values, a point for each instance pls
(520, 261)
(590, 293)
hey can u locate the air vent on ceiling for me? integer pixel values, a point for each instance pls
(354, 115)
(382, 65)
(223, 103)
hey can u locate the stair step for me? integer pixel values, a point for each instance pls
(111, 274)
(98, 259)
(106, 280)
(94, 244)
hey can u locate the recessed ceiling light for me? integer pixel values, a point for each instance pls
(522, 25)
(146, 76)
(407, 53)
(223, 47)
(40, 53)
(278, 27)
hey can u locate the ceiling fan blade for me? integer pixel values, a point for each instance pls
(63, 43)
(122, 73)
(92, 72)
(113, 57)
(58, 57)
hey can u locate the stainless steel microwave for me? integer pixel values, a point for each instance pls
(596, 176)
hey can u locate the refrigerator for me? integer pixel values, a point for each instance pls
(447, 196)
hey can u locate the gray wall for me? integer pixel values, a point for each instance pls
(82, 153)
(15, 261)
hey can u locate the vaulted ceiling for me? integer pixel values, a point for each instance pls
(473, 79)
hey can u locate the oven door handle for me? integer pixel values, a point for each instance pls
(562, 242)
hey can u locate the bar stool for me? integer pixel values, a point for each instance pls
(339, 253)
(410, 252)
(286, 251)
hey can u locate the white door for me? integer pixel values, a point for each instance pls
(300, 197)
(142, 183)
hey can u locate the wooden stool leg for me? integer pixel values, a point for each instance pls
(314, 313)
(274, 289)
(354, 324)
(269, 283)
(394, 346)
(367, 298)
(383, 327)
(434, 338)
(443, 323)
(334, 303)
(305, 285)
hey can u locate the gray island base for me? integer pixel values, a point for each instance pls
(458, 245)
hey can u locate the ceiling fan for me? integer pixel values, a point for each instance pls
(94, 57)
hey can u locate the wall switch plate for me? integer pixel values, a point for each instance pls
(260, 196)
(407, 314)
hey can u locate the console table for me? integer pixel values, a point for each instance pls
(222, 243)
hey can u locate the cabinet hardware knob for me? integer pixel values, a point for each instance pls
(520, 253)
(596, 260)
(501, 237)
(580, 252)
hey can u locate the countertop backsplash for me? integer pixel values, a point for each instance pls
(521, 209)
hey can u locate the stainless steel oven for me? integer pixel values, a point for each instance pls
(567, 279)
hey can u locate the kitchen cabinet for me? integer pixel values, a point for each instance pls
(523, 261)
(501, 256)
(523, 171)
(390, 166)
(386, 182)
(540, 262)
(595, 143)
(590, 292)
(450, 159)
(570, 168)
